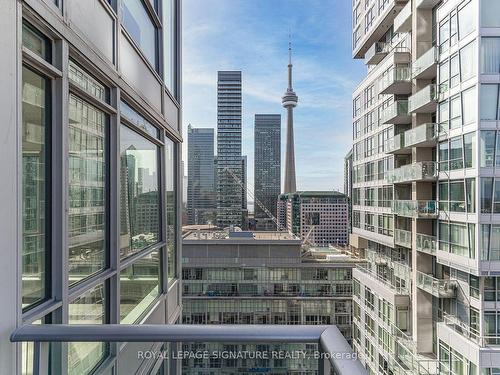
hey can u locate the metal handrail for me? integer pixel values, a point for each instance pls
(338, 353)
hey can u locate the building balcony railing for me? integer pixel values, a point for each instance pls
(402, 22)
(422, 209)
(424, 135)
(396, 113)
(426, 244)
(425, 100)
(396, 144)
(377, 52)
(375, 276)
(396, 81)
(407, 359)
(471, 333)
(402, 237)
(333, 353)
(425, 67)
(437, 287)
(419, 171)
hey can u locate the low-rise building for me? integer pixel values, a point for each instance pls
(263, 278)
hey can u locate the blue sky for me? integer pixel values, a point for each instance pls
(252, 36)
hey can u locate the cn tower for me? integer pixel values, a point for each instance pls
(289, 101)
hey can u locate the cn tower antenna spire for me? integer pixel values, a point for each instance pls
(289, 101)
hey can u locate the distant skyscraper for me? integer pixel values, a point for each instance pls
(289, 101)
(267, 166)
(201, 202)
(229, 194)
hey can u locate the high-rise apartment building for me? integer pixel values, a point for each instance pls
(202, 204)
(262, 278)
(229, 158)
(90, 158)
(267, 167)
(319, 218)
(424, 212)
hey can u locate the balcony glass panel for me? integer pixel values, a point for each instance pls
(395, 143)
(377, 52)
(396, 113)
(423, 170)
(424, 100)
(398, 74)
(402, 237)
(421, 134)
(424, 62)
(426, 244)
(437, 287)
(415, 209)
(214, 348)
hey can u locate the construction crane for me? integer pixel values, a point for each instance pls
(280, 227)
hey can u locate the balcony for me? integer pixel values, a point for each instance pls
(376, 53)
(422, 136)
(425, 67)
(373, 277)
(379, 27)
(396, 145)
(396, 81)
(402, 22)
(437, 287)
(327, 339)
(419, 171)
(402, 238)
(424, 101)
(396, 113)
(427, 4)
(415, 209)
(426, 244)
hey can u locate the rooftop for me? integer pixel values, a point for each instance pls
(225, 235)
(315, 194)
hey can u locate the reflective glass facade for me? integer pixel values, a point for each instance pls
(96, 151)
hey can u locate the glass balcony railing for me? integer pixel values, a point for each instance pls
(377, 52)
(154, 345)
(422, 135)
(425, 100)
(396, 81)
(415, 209)
(425, 66)
(374, 275)
(419, 171)
(396, 113)
(437, 287)
(395, 143)
(426, 244)
(402, 237)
